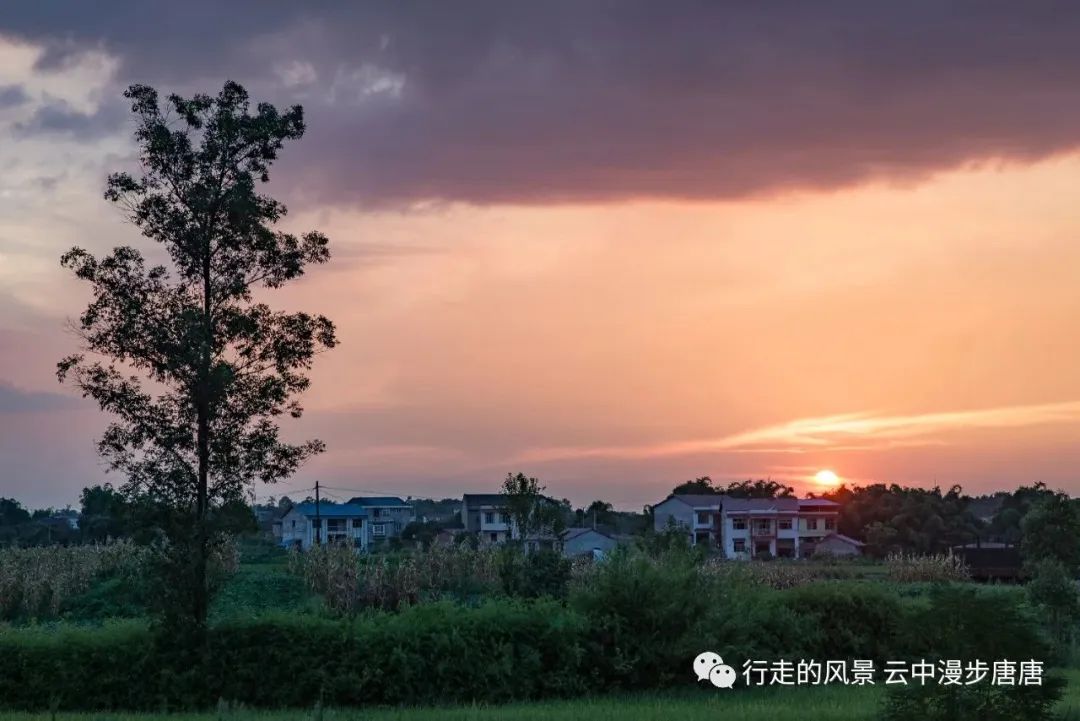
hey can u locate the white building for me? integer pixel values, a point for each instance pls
(387, 516)
(750, 527)
(304, 526)
(486, 515)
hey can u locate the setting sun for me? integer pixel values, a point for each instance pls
(826, 478)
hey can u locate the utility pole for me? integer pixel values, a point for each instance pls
(318, 518)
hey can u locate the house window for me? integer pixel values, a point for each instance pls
(357, 522)
(489, 517)
(811, 524)
(335, 525)
(494, 537)
(739, 524)
(703, 518)
(762, 526)
(784, 524)
(294, 525)
(378, 529)
(376, 512)
(830, 524)
(739, 545)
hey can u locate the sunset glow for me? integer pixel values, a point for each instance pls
(826, 478)
(548, 259)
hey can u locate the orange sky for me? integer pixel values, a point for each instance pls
(919, 334)
(919, 331)
(630, 345)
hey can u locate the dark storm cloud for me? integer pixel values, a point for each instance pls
(547, 101)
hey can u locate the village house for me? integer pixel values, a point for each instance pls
(387, 516)
(485, 514)
(756, 527)
(344, 523)
(587, 543)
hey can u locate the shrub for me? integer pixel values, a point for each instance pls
(849, 619)
(1053, 590)
(437, 652)
(649, 617)
(963, 622)
(535, 574)
(977, 702)
(974, 625)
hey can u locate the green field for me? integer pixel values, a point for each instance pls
(772, 704)
(807, 704)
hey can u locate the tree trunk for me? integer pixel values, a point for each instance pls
(200, 600)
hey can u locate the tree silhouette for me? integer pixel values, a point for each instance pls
(194, 371)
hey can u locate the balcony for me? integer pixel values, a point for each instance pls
(762, 531)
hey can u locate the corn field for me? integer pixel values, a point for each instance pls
(912, 568)
(36, 582)
(350, 582)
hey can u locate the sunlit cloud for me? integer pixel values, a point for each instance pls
(843, 432)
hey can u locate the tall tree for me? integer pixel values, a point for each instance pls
(1051, 531)
(530, 511)
(193, 369)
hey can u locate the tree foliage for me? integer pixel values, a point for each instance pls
(531, 512)
(901, 519)
(193, 369)
(1051, 532)
(761, 488)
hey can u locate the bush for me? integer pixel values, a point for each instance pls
(974, 625)
(535, 574)
(1053, 590)
(436, 653)
(962, 622)
(849, 619)
(978, 702)
(649, 617)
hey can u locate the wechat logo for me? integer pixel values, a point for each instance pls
(709, 665)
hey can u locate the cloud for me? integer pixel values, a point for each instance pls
(12, 96)
(58, 117)
(851, 431)
(488, 102)
(18, 400)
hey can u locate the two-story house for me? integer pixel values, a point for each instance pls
(699, 513)
(750, 527)
(305, 525)
(387, 516)
(485, 514)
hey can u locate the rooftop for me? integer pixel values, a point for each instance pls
(331, 510)
(381, 501)
(762, 505)
(699, 500)
(485, 499)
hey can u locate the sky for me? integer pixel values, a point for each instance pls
(613, 245)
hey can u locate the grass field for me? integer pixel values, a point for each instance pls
(836, 703)
(806, 704)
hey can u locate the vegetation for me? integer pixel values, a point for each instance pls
(36, 583)
(910, 568)
(737, 489)
(192, 370)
